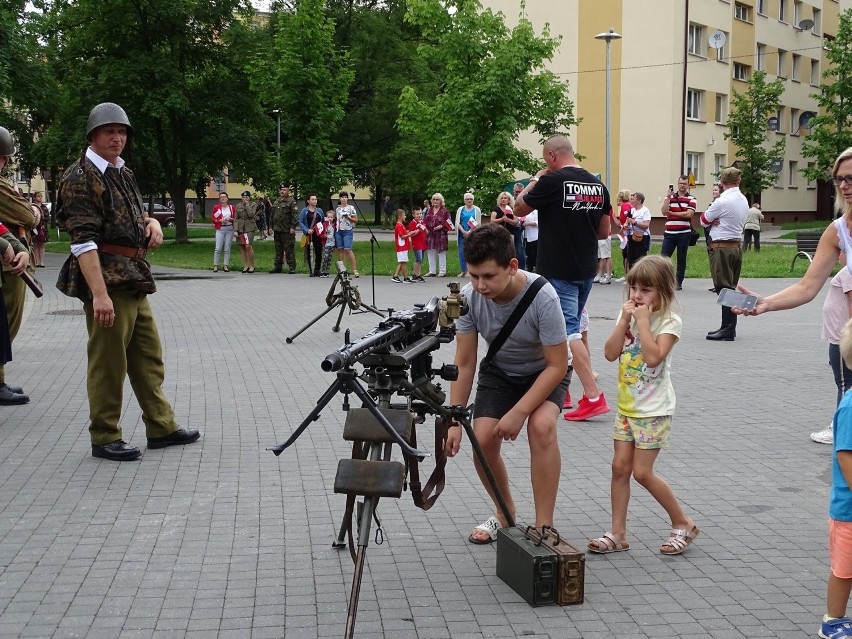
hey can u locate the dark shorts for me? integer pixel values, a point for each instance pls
(497, 393)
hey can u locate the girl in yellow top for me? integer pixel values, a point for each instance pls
(642, 341)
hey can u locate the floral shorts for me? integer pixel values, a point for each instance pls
(647, 433)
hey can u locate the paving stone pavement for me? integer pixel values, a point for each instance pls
(223, 539)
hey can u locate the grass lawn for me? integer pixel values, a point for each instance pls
(772, 261)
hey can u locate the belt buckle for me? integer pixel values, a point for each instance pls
(140, 253)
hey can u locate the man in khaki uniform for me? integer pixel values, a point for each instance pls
(100, 206)
(17, 216)
(285, 219)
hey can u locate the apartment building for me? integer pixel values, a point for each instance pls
(673, 74)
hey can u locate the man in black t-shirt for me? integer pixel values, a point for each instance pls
(573, 214)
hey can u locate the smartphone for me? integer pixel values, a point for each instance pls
(671, 187)
(730, 297)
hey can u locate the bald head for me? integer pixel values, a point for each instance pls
(558, 152)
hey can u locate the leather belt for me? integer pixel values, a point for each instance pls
(124, 251)
(725, 244)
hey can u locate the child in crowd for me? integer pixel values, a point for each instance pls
(328, 246)
(644, 335)
(835, 313)
(402, 243)
(835, 623)
(418, 242)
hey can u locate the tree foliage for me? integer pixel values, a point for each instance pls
(177, 67)
(493, 86)
(307, 78)
(831, 130)
(748, 129)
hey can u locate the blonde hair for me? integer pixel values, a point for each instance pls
(624, 195)
(439, 196)
(508, 195)
(657, 272)
(840, 202)
(846, 343)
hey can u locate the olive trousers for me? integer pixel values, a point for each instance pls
(14, 296)
(129, 348)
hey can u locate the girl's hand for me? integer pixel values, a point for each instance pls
(627, 311)
(641, 313)
(760, 307)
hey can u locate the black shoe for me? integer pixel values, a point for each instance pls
(722, 335)
(118, 450)
(10, 398)
(277, 269)
(15, 389)
(179, 437)
(292, 271)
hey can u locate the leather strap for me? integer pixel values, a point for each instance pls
(513, 320)
(422, 496)
(124, 251)
(725, 244)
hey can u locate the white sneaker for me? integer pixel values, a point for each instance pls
(597, 279)
(606, 279)
(825, 436)
(619, 279)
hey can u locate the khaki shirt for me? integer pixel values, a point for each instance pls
(285, 215)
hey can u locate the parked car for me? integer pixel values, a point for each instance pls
(163, 214)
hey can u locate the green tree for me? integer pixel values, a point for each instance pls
(306, 77)
(178, 69)
(493, 86)
(747, 128)
(831, 130)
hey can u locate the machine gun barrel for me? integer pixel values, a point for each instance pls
(403, 327)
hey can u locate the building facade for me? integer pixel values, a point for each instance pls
(673, 74)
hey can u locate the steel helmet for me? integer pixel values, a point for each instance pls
(107, 113)
(7, 143)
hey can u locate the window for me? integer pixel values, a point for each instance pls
(719, 163)
(794, 121)
(794, 74)
(779, 119)
(761, 7)
(814, 73)
(797, 12)
(742, 12)
(782, 63)
(760, 58)
(793, 177)
(810, 183)
(782, 10)
(817, 28)
(693, 104)
(695, 39)
(722, 52)
(693, 165)
(741, 71)
(721, 108)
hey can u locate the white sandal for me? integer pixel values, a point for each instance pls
(490, 526)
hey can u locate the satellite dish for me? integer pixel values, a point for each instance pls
(805, 119)
(773, 123)
(717, 40)
(805, 25)
(777, 166)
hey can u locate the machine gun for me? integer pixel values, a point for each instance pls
(396, 358)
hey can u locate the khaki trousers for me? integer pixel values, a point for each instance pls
(131, 347)
(14, 296)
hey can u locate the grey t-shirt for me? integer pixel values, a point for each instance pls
(541, 325)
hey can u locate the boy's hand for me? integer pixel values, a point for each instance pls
(453, 443)
(509, 426)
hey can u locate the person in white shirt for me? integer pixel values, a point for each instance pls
(639, 229)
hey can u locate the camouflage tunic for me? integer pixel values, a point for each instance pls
(285, 215)
(104, 209)
(245, 221)
(16, 214)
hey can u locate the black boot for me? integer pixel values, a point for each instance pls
(277, 269)
(728, 331)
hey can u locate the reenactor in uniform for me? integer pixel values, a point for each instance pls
(100, 207)
(285, 220)
(17, 216)
(245, 227)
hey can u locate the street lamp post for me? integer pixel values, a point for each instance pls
(608, 36)
(277, 113)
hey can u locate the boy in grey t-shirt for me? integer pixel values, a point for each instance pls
(525, 383)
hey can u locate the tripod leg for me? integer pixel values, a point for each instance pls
(337, 302)
(480, 456)
(330, 392)
(336, 327)
(372, 309)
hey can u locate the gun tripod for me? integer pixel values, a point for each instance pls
(373, 430)
(347, 297)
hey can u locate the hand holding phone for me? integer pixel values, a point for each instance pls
(730, 297)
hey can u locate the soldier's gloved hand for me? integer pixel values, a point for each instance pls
(153, 233)
(19, 263)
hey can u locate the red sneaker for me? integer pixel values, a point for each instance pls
(586, 409)
(568, 403)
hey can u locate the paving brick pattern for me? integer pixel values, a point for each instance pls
(223, 539)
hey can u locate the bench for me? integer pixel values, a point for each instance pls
(806, 245)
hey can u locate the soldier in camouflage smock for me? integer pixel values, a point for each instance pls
(285, 219)
(100, 207)
(18, 218)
